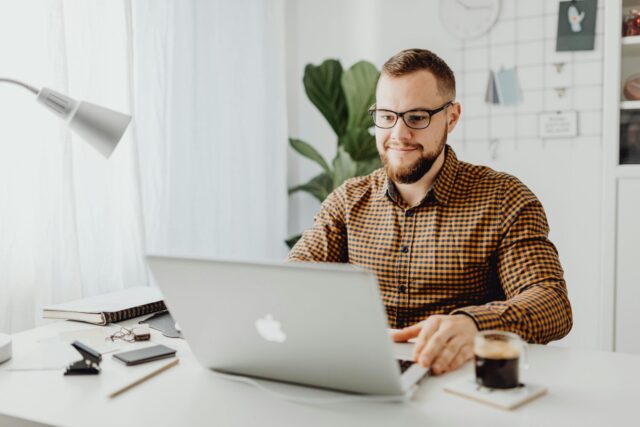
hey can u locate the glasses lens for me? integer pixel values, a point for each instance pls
(417, 119)
(384, 119)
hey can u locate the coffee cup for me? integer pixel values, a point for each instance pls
(498, 358)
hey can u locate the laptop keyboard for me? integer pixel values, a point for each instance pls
(404, 365)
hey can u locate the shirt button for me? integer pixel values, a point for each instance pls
(402, 289)
(408, 212)
(405, 249)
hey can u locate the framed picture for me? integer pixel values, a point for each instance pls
(576, 25)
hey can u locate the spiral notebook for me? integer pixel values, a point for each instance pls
(109, 308)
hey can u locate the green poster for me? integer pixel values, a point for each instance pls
(576, 25)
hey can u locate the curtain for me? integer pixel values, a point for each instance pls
(200, 171)
(211, 126)
(70, 221)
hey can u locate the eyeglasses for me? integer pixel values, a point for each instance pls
(414, 119)
(137, 333)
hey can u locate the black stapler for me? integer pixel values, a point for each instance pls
(90, 363)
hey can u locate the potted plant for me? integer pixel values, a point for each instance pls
(343, 98)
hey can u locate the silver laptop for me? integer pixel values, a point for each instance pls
(322, 325)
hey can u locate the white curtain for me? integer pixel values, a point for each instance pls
(201, 170)
(70, 223)
(211, 126)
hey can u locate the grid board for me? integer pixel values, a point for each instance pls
(524, 37)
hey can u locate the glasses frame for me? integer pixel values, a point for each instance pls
(372, 111)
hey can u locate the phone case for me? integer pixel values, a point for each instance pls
(148, 354)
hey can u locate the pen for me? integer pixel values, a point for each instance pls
(143, 379)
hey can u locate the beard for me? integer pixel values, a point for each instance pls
(413, 172)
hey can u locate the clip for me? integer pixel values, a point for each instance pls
(90, 363)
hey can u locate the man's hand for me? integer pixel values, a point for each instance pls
(445, 342)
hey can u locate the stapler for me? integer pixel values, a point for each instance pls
(90, 363)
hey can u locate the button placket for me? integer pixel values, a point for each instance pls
(408, 227)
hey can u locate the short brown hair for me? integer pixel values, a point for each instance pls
(411, 60)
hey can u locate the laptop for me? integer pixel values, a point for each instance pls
(320, 325)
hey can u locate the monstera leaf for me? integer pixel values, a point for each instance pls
(359, 143)
(359, 86)
(343, 167)
(309, 152)
(323, 87)
(319, 187)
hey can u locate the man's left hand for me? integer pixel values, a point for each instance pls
(445, 342)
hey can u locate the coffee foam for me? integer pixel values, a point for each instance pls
(493, 349)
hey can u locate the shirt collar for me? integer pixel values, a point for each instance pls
(443, 186)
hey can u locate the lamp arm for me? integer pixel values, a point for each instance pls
(19, 83)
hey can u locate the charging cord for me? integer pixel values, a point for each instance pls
(320, 400)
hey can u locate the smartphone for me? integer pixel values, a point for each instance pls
(148, 354)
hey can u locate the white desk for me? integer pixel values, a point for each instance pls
(585, 388)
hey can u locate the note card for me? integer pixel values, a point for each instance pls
(561, 124)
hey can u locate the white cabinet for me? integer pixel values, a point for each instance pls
(620, 238)
(627, 323)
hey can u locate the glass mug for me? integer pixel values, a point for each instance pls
(498, 356)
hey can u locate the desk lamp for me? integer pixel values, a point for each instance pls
(101, 127)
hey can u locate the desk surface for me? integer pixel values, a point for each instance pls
(585, 388)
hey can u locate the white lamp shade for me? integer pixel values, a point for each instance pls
(101, 127)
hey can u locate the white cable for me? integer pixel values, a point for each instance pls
(19, 83)
(320, 400)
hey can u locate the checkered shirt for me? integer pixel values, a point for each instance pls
(477, 245)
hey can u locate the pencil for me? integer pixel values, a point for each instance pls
(146, 377)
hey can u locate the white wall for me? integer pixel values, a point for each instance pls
(565, 174)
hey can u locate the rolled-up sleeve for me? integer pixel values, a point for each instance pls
(537, 305)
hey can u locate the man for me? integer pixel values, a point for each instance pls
(456, 247)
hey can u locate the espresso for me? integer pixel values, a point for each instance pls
(497, 364)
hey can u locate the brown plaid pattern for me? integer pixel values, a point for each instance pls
(476, 245)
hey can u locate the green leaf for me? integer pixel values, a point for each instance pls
(319, 186)
(359, 86)
(322, 84)
(359, 143)
(291, 241)
(309, 152)
(343, 167)
(365, 167)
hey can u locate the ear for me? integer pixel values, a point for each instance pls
(453, 115)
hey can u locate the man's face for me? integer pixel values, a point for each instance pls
(408, 154)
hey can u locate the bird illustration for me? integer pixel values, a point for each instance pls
(575, 18)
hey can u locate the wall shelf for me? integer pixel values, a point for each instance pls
(631, 40)
(627, 171)
(631, 45)
(630, 105)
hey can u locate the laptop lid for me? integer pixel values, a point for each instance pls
(316, 324)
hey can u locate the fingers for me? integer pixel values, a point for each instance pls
(429, 327)
(435, 346)
(407, 333)
(465, 354)
(442, 339)
(444, 359)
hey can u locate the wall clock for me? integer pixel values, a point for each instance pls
(468, 19)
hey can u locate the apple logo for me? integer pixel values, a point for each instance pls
(270, 329)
